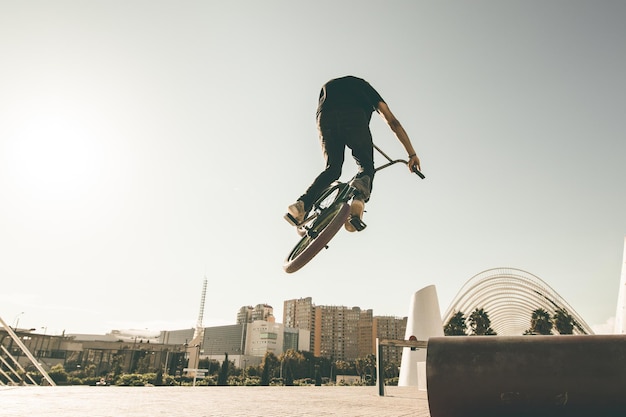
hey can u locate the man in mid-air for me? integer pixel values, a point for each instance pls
(344, 112)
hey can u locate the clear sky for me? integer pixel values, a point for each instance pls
(147, 144)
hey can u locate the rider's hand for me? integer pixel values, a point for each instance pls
(414, 161)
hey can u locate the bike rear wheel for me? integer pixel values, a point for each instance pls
(334, 213)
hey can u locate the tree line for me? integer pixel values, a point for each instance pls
(561, 322)
(290, 368)
(541, 323)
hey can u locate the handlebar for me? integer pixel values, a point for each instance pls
(417, 171)
(396, 161)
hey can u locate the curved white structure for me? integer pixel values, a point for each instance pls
(423, 322)
(510, 296)
(620, 314)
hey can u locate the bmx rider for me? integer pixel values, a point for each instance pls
(344, 112)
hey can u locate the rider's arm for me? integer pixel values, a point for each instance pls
(396, 127)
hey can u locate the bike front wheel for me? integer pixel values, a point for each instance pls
(325, 226)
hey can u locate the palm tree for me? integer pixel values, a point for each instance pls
(366, 368)
(563, 321)
(480, 324)
(292, 361)
(456, 326)
(540, 322)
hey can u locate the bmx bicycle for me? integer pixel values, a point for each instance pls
(329, 212)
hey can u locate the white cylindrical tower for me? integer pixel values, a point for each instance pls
(620, 313)
(423, 322)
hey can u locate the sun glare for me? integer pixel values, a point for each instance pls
(52, 156)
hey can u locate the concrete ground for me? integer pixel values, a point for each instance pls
(79, 401)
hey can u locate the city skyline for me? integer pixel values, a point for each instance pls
(264, 310)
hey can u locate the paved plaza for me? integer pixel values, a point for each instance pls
(81, 401)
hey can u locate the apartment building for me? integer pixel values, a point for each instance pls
(389, 327)
(248, 314)
(338, 332)
(299, 314)
(342, 333)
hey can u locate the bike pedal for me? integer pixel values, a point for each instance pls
(290, 219)
(357, 223)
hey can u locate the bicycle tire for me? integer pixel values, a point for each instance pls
(333, 216)
(308, 247)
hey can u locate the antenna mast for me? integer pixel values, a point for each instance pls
(199, 325)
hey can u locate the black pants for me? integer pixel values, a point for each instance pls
(338, 129)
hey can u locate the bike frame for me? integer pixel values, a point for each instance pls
(329, 213)
(347, 192)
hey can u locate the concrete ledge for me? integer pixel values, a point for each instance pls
(527, 376)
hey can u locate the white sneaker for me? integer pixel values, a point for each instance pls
(363, 185)
(295, 213)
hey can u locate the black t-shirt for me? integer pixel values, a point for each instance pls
(348, 93)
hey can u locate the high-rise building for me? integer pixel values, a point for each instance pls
(337, 332)
(248, 314)
(244, 315)
(263, 312)
(388, 327)
(367, 338)
(299, 314)
(342, 333)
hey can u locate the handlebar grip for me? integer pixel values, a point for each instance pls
(417, 171)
